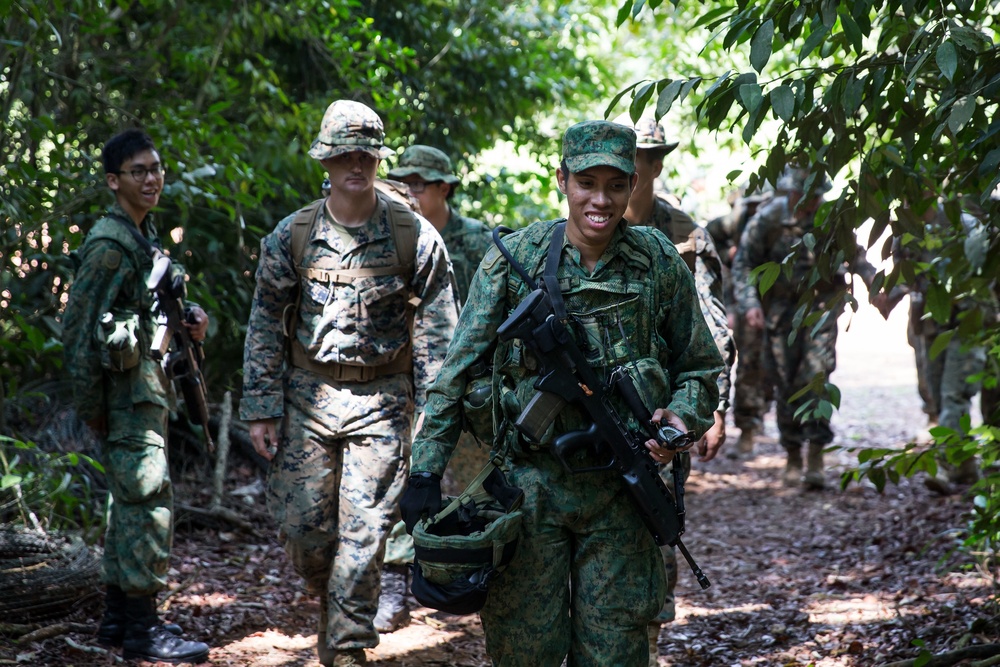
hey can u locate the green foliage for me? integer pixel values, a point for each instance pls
(47, 491)
(233, 94)
(899, 99)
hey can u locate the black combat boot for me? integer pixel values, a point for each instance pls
(112, 630)
(393, 608)
(146, 639)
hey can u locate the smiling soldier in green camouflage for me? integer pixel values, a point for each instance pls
(369, 311)
(587, 577)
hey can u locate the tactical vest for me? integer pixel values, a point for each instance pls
(612, 321)
(405, 230)
(145, 382)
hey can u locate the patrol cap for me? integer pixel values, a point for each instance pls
(793, 179)
(651, 137)
(349, 126)
(594, 143)
(427, 162)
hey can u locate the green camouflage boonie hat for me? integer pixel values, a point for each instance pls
(348, 127)
(651, 137)
(793, 179)
(426, 162)
(594, 143)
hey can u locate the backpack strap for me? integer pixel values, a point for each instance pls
(405, 230)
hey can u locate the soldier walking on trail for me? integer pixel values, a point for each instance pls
(587, 577)
(428, 173)
(946, 382)
(774, 233)
(123, 393)
(697, 250)
(753, 388)
(350, 320)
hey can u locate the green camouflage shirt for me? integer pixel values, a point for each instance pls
(771, 236)
(111, 277)
(467, 241)
(637, 308)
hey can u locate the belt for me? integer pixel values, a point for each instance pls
(350, 372)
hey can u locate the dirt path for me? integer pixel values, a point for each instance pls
(831, 579)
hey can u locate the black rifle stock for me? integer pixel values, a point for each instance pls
(172, 344)
(567, 376)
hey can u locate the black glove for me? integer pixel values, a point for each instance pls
(422, 496)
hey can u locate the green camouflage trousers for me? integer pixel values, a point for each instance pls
(922, 359)
(587, 577)
(333, 490)
(795, 365)
(669, 610)
(752, 387)
(140, 503)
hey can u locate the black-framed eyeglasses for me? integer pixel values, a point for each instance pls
(139, 173)
(416, 187)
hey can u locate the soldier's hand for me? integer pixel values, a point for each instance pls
(264, 437)
(197, 323)
(755, 318)
(714, 438)
(421, 497)
(659, 453)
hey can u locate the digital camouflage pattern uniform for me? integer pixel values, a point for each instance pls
(943, 381)
(697, 249)
(771, 235)
(341, 464)
(467, 241)
(587, 577)
(135, 399)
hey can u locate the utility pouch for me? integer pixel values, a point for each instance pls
(118, 338)
(477, 403)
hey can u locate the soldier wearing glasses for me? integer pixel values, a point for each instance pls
(125, 397)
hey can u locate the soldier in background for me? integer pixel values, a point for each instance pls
(945, 382)
(774, 233)
(368, 305)
(753, 387)
(697, 250)
(427, 173)
(125, 397)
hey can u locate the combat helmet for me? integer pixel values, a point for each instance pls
(465, 546)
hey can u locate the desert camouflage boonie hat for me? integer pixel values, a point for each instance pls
(427, 162)
(594, 143)
(651, 137)
(347, 127)
(793, 179)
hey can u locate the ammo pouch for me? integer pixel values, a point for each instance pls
(118, 341)
(477, 402)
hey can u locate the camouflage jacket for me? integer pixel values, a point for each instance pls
(696, 247)
(111, 278)
(363, 322)
(637, 308)
(467, 241)
(771, 236)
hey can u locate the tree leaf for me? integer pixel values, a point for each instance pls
(939, 303)
(947, 59)
(667, 96)
(783, 102)
(852, 32)
(961, 112)
(760, 45)
(751, 96)
(642, 96)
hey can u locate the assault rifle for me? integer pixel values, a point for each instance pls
(172, 345)
(566, 376)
